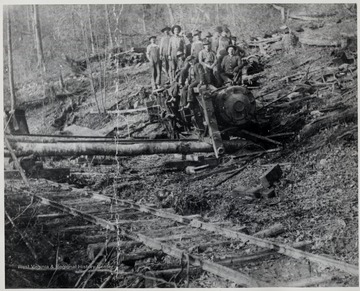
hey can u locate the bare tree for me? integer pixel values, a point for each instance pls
(10, 63)
(143, 17)
(92, 84)
(108, 26)
(74, 29)
(117, 31)
(38, 39)
(171, 14)
(92, 41)
(29, 17)
(217, 18)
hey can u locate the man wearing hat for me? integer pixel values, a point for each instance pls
(239, 51)
(189, 37)
(197, 45)
(196, 77)
(224, 41)
(207, 58)
(231, 65)
(153, 55)
(164, 45)
(215, 38)
(182, 69)
(176, 43)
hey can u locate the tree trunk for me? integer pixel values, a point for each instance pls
(171, 14)
(74, 31)
(92, 41)
(29, 18)
(108, 26)
(88, 65)
(38, 40)
(143, 17)
(135, 149)
(182, 23)
(117, 32)
(10, 63)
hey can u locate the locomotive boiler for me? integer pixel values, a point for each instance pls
(215, 115)
(234, 106)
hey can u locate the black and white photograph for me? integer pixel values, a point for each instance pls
(171, 145)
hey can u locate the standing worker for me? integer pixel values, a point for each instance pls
(215, 38)
(222, 44)
(176, 43)
(189, 37)
(164, 45)
(208, 60)
(153, 55)
(231, 66)
(224, 41)
(239, 51)
(197, 45)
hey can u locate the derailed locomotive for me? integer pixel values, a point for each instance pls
(217, 113)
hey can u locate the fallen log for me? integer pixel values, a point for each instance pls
(257, 136)
(116, 53)
(349, 115)
(140, 256)
(257, 153)
(314, 16)
(264, 41)
(257, 256)
(274, 230)
(312, 281)
(145, 148)
(319, 42)
(176, 274)
(124, 246)
(77, 138)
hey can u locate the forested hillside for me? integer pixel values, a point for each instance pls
(79, 31)
(114, 190)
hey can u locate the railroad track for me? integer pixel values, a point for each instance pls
(146, 236)
(144, 240)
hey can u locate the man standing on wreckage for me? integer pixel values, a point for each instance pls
(176, 43)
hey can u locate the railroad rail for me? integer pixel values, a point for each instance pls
(117, 226)
(181, 237)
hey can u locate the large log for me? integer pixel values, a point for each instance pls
(319, 42)
(264, 41)
(77, 138)
(349, 115)
(94, 149)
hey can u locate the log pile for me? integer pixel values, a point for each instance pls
(314, 94)
(116, 56)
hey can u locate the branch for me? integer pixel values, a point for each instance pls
(205, 13)
(22, 236)
(281, 9)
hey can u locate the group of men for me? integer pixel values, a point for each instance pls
(188, 63)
